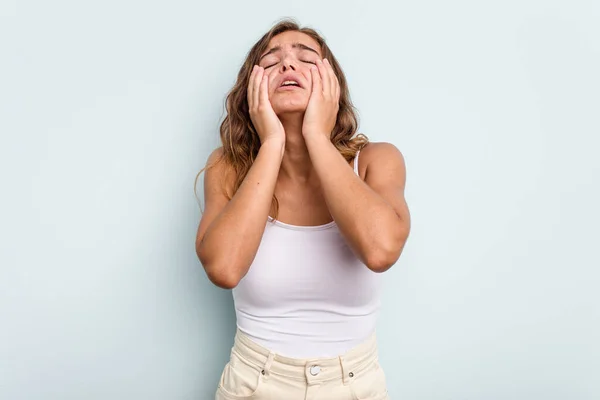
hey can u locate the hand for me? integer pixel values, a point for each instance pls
(323, 105)
(267, 124)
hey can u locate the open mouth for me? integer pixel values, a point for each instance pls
(290, 83)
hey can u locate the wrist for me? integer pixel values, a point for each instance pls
(316, 136)
(274, 144)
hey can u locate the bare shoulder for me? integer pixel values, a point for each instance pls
(382, 156)
(216, 157)
(379, 149)
(220, 175)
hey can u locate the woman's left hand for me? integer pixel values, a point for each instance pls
(323, 105)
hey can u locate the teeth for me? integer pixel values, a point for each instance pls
(289, 83)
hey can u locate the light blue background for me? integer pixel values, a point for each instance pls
(108, 110)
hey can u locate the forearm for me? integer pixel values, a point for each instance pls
(231, 241)
(370, 225)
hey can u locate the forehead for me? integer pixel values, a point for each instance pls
(288, 38)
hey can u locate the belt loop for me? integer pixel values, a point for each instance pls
(346, 374)
(267, 367)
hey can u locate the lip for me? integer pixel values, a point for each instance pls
(287, 88)
(289, 77)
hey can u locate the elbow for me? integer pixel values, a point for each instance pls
(222, 280)
(380, 262)
(220, 274)
(384, 257)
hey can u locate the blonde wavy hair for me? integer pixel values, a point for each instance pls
(238, 135)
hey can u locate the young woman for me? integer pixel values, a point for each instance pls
(299, 228)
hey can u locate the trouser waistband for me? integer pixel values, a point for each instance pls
(311, 370)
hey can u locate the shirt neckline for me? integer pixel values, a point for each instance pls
(302, 227)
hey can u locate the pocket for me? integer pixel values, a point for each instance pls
(239, 380)
(369, 383)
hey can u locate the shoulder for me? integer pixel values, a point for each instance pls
(215, 156)
(377, 155)
(219, 173)
(216, 164)
(379, 149)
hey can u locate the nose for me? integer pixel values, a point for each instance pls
(288, 63)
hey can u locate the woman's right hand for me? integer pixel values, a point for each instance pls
(266, 122)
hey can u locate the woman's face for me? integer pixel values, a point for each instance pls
(287, 61)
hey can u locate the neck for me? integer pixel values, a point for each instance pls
(296, 166)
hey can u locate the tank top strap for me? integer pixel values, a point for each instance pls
(356, 163)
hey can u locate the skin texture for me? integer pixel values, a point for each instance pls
(298, 162)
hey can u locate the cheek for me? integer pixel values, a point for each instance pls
(272, 83)
(307, 75)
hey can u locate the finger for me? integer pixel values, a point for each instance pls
(257, 81)
(316, 80)
(251, 87)
(334, 84)
(325, 82)
(264, 89)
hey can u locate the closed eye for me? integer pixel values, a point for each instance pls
(305, 61)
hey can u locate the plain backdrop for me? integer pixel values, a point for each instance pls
(109, 109)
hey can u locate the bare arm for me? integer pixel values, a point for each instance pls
(372, 215)
(230, 231)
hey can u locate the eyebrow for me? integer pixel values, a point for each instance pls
(294, 45)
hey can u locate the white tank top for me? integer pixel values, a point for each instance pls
(306, 295)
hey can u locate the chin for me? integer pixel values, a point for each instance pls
(290, 106)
